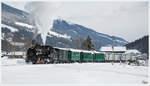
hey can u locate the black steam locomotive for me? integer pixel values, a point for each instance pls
(41, 54)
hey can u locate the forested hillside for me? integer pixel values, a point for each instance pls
(140, 44)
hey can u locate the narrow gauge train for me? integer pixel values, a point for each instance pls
(42, 54)
(48, 54)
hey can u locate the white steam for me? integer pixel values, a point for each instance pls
(42, 13)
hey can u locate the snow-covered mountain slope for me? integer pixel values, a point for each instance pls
(63, 33)
(78, 32)
(52, 33)
(24, 25)
(12, 29)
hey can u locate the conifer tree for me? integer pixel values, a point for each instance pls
(87, 44)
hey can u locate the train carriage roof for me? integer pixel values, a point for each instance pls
(78, 50)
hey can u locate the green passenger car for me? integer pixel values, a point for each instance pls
(64, 55)
(99, 57)
(74, 56)
(87, 57)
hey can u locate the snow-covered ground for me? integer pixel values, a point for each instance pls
(16, 71)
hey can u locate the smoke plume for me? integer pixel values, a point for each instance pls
(42, 13)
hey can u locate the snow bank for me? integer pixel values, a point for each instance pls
(85, 73)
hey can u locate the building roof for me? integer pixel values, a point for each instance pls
(116, 49)
(134, 51)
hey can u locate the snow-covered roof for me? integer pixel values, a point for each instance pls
(75, 50)
(116, 48)
(96, 51)
(134, 51)
(62, 48)
(71, 49)
(78, 50)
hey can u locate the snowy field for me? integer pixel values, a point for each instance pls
(16, 71)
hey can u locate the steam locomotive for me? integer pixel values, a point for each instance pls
(41, 54)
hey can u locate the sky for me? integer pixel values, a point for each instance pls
(128, 20)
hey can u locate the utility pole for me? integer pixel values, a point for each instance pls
(14, 49)
(113, 55)
(56, 44)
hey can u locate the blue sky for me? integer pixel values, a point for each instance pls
(128, 20)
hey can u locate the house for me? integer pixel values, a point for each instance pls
(133, 54)
(113, 53)
(116, 49)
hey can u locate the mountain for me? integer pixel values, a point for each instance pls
(140, 44)
(76, 31)
(62, 34)
(10, 14)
